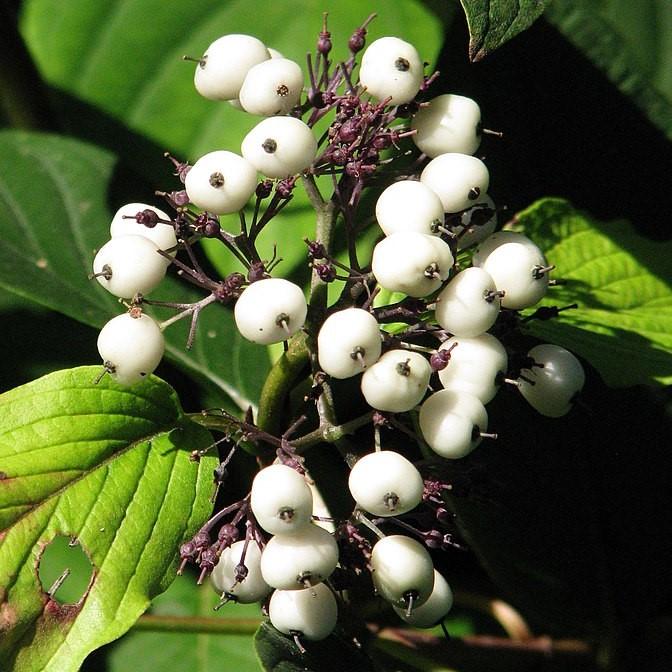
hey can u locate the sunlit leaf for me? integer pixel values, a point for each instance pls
(110, 468)
(622, 283)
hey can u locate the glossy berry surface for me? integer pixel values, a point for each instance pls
(129, 265)
(391, 69)
(348, 342)
(397, 382)
(409, 205)
(272, 87)
(131, 347)
(162, 234)
(457, 179)
(294, 561)
(281, 500)
(221, 182)
(280, 146)
(402, 571)
(385, 483)
(224, 576)
(412, 263)
(552, 385)
(450, 422)
(311, 612)
(447, 123)
(270, 310)
(225, 63)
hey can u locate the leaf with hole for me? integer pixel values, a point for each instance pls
(109, 468)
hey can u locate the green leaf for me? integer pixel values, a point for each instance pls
(279, 653)
(109, 467)
(176, 651)
(53, 215)
(630, 42)
(494, 22)
(124, 58)
(622, 283)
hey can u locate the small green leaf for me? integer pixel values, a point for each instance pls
(53, 215)
(622, 283)
(494, 22)
(110, 468)
(630, 42)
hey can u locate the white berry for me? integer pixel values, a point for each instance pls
(221, 182)
(131, 347)
(434, 610)
(475, 366)
(555, 383)
(451, 423)
(124, 223)
(469, 304)
(402, 571)
(280, 146)
(411, 262)
(281, 500)
(272, 87)
(129, 265)
(311, 612)
(519, 270)
(270, 310)
(448, 123)
(294, 561)
(391, 68)
(495, 240)
(348, 342)
(224, 577)
(409, 205)
(457, 179)
(397, 381)
(385, 483)
(222, 69)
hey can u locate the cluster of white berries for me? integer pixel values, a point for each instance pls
(132, 263)
(240, 69)
(300, 555)
(426, 220)
(384, 483)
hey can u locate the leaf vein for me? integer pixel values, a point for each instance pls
(20, 217)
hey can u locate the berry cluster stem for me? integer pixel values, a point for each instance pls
(279, 383)
(325, 219)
